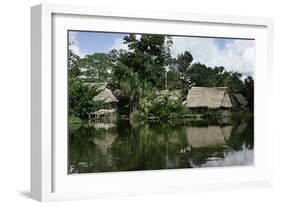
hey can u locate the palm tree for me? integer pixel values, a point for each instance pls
(132, 89)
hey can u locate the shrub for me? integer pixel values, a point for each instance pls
(74, 119)
(167, 109)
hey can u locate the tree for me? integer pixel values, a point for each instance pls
(141, 69)
(132, 90)
(248, 92)
(97, 66)
(147, 57)
(203, 76)
(131, 86)
(173, 80)
(235, 84)
(80, 98)
(182, 65)
(183, 61)
(200, 75)
(73, 63)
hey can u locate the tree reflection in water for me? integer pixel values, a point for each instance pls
(128, 146)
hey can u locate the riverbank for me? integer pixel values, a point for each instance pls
(190, 119)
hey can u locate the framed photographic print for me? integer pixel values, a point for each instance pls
(137, 102)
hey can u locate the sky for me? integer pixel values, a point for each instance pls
(232, 54)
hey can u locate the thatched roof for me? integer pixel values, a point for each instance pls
(240, 99)
(106, 96)
(211, 97)
(172, 95)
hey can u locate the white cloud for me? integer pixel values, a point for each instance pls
(236, 55)
(118, 44)
(74, 44)
(138, 36)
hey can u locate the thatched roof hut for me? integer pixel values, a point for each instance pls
(239, 100)
(109, 114)
(210, 97)
(106, 96)
(172, 95)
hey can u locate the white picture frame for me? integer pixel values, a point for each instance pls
(49, 179)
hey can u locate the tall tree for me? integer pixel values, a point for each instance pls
(248, 91)
(73, 63)
(183, 62)
(80, 98)
(147, 56)
(201, 75)
(97, 66)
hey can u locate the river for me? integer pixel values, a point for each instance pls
(131, 146)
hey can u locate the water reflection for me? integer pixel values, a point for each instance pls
(232, 158)
(208, 136)
(127, 146)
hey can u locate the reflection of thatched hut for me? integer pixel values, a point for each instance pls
(209, 97)
(208, 136)
(102, 125)
(106, 142)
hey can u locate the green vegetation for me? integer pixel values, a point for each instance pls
(146, 87)
(167, 109)
(74, 119)
(138, 74)
(80, 98)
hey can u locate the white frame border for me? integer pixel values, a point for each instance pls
(42, 85)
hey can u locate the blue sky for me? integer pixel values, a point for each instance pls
(233, 54)
(92, 42)
(221, 42)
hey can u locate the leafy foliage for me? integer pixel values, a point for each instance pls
(73, 64)
(147, 57)
(248, 92)
(97, 66)
(201, 75)
(167, 109)
(80, 98)
(140, 71)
